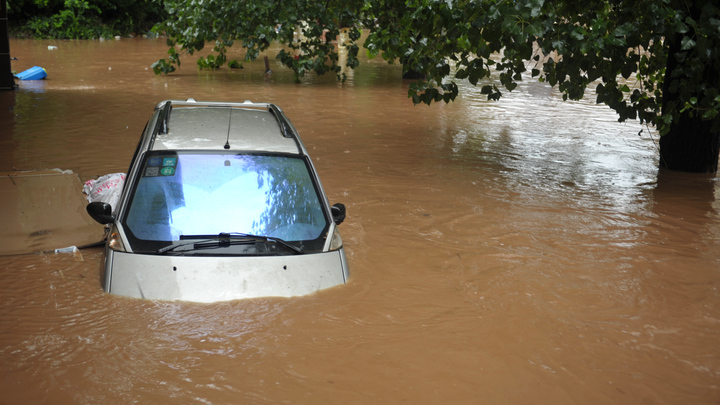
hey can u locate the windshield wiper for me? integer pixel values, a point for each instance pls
(172, 247)
(281, 242)
(227, 239)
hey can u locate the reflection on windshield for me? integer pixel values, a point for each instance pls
(190, 194)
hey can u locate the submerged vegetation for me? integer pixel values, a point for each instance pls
(82, 19)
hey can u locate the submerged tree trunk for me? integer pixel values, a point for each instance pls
(7, 82)
(689, 146)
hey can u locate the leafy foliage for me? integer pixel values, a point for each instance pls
(192, 24)
(623, 45)
(568, 44)
(82, 19)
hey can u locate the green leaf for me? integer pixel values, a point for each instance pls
(687, 43)
(474, 77)
(577, 35)
(681, 27)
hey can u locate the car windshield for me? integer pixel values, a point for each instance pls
(180, 194)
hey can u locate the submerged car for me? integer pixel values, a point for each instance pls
(221, 202)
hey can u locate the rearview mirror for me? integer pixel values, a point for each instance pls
(101, 212)
(338, 213)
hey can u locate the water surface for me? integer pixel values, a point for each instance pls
(521, 251)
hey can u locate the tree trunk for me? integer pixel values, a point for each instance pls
(7, 82)
(689, 146)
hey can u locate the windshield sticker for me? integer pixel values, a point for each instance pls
(152, 171)
(161, 166)
(170, 162)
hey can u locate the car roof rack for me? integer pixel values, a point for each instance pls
(163, 120)
(162, 125)
(280, 117)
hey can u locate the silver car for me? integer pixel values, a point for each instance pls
(221, 202)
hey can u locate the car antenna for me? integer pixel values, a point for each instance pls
(227, 142)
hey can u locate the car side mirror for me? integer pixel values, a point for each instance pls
(338, 213)
(101, 212)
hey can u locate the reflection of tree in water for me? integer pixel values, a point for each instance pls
(292, 206)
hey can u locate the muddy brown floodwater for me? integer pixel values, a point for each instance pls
(521, 251)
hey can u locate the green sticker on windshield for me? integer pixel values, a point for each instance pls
(167, 171)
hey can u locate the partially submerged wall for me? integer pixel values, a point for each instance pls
(43, 211)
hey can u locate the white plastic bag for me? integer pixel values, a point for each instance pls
(107, 188)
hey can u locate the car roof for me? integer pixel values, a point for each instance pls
(192, 125)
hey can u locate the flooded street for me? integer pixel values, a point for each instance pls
(521, 251)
